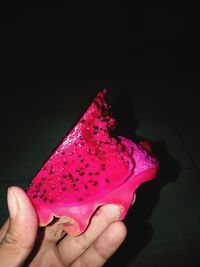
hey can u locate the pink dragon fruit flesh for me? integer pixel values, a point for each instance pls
(90, 168)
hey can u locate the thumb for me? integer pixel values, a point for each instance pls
(22, 230)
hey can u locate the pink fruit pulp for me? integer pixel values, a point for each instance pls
(90, 169)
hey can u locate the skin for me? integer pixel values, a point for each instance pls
(22, 243)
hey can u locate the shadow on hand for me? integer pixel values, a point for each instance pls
(140, 231)
(36, 248)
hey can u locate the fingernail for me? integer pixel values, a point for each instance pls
(134, 199)
(72, 228)
(113, 210)
(12, 203)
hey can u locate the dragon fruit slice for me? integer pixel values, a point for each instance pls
(90, 168)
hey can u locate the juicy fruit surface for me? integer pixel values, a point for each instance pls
(87, 163)
(87, 167)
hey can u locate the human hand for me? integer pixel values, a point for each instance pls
(23, 243)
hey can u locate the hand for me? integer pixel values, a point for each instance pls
(23, 243)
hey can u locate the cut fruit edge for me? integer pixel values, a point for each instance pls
(123, 196)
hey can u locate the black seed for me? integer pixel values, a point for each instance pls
(90, 173)
(95, 183)
(107, 143)
(44, 191)
(40, 184)
(105, 120)
(75, 144)
(96, 173)
(122, 148)
(95, 127)
(86, 187)
(64, 175)
(107, 180)
(63, 188)
(73, 185)
(45, 199)
(89, 150)
(52, 171)
(105, 112)
(43, 178)
(78, 170)
(95, 133)
(82, 121)
(101, 142)
(65, 162)
(70, 175)
(103, 166)
(81, 137)
(86, 165)
(118, 139)
(80, 199)
(34, 196)
(37, 190)
(63, 153)
(81, 159)
(81, 173)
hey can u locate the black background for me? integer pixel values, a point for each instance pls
(42, 38)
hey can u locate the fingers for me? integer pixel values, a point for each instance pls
(104, 247)
(78, 244)
(22, 230)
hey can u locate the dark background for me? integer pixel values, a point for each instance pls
(42, 38)
(55, 56)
